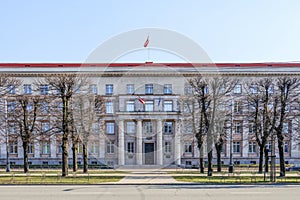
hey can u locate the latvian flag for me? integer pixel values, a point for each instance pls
(147, 42)
(142, 100)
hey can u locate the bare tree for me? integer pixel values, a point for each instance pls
(287, 95)
(262, 113)
(63, 87)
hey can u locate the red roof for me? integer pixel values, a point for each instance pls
(150, 64)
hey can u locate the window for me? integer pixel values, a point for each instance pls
(206, 90)
(237, 89)
(45, 127)
(13, 147)
(31, 148)
(268, 145)
(237, 107)
(149, 89)
(168, 106)
(148, 127)
(251, 128)
(44, 89)
(252, 147)
(44, 107)
(168, 147)
(94, 148)
(237, 127)
(79, 148)
(94, 89)
(109, 107)
(11, 89)
(188, 89)
(286, 147)
(45, 147)
(236, 147)
(110, 147)
(11, 106)
(29, 107)
(168, 127)
(11, 128)
(253, 89)
(27, 89)
(130, 127)
(187, 147)
(59, 147)
(130, 89)
(130, 106)
(285, 127)
(130, 147)
(149, 106)
(109, 89)
(271, 89)
(110, 128)
(168, 89)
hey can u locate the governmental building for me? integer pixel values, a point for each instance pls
(144, 121)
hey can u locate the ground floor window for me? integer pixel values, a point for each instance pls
(110, 147)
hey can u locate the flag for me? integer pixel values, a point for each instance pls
(146, 42)
(142, 100)
(159, 100)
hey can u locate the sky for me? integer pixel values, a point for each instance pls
(228, 30)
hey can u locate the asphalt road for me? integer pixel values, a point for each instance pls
(145, 192)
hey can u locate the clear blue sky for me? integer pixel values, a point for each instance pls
(228, 30)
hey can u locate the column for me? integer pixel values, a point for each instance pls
(159, 141)
(177, 143)
(37, 145)
(139, 143)
(245, 145)
(121, 150)
(53, 146)
(102, 146)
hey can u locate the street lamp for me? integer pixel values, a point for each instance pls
(230, 167)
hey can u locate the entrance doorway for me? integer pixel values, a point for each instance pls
(149, 153)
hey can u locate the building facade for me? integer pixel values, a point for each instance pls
(144, 121)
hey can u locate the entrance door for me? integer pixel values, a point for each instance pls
(149, 153)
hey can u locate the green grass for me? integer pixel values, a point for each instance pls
(70, 171)
(234, 179)
(71, 179)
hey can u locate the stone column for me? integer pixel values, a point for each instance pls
(139, 143)
(244, 145)
(159, 141)
(177, 143)
(121, 150)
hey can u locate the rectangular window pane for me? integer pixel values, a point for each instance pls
(110, 145)
(168, 106)
(149, 106)
(168, 89)
(149, 89)
(44, 89)
(168, 147)
(148, 127)
(109, 89)
(237, 89)
(130, 89)
(168, 127)
(236, 147)
(109, 107)
(93, 89)
(130, 127)
(130, 106)
(27, 89)
(110, 127)
(188, 147)
(130, 147)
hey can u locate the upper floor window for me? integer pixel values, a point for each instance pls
(168, 89)
(188, 89)
(44, 89)
(286, 147)
(27, 89)
(109, 89)
(168, 106)
(285, 127)
(44, 107)
(130, 88)
(149, 106)
(109, 107)
(206, 90)
(130, 127)
(11, 89)
(94, 89)
(251, 127)
(237, 107)
(271, 89)
(110, 128)
(148, 127)
(237, 127)
(149, 89)
(45, 127)
(11, 106)
(237, 89)
(253, 89)
(130, 106)
(168, 127)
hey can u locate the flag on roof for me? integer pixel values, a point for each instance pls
(142, 100)
(146, 42)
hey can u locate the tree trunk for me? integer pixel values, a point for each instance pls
(261, 160)
(209, 167)
(65, 156)
(281, 157)
(85, 157)
(266, 161)
(74, 151)
(219, 161)
(201, 165)
(25, 152)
